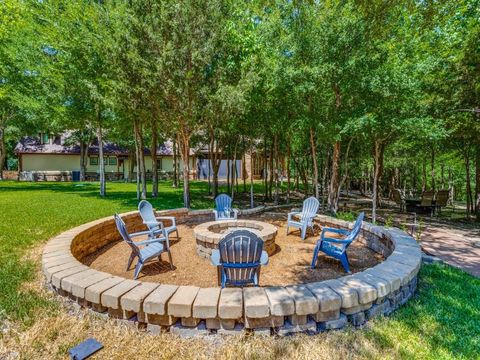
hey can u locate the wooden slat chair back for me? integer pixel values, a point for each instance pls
(427, 198)
(240, 254)
(442, 198)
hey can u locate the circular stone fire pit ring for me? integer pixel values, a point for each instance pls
(209, 234)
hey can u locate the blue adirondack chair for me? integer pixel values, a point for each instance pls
(223, 208)
(154, 223)
(143, 250)
(239, 257)
(337, 248)
(304, 219)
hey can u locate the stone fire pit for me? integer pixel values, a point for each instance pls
(210, 233)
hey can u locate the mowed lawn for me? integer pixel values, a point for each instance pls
(442, 321)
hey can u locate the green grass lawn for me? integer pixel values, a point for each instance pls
(441, 321)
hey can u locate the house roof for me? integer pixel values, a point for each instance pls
(32, 145)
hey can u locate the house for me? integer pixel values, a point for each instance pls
(48, 157)
(51, 158)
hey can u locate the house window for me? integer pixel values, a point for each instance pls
(112, 160)
(93, 160)
(159, 164)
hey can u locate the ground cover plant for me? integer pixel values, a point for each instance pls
(442, 321)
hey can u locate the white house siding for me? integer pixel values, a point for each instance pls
(50, 162)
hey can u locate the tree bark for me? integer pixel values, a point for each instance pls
(154, 159)
(234, 168)
(101, 162)
(175, 165)
(334, 180)
(477, 183)
(185, 155)
(252, 204)
(3, 149)
(83, 159)
(345, 175)
(275, 151)
(432, 170)
(289, 153)
(141, 170)
(313, 146)
(215, 159)
(271, 173)
(378, 153)
(468, 184)
(424, 175)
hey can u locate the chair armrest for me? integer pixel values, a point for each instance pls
(293, 213)
(171, 218)
(151, 222)
(337, 241)
(151, 241)
(215, 212)
(140, 233)
(264, 258)
(335, 231)
(215, 258)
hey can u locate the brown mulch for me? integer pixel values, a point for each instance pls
(290, 263)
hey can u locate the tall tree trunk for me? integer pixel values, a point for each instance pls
(265, 170)
(185, 155)
(252, 203)
(477, 183)
(334, 180)
(271, 173)
(101, 162)
(141, 170)
(442, 175)
(345, 175)
(275, 151)
(228, 174)
(432, 170)
(154, 159)
(313, 146)
(378, 153)
(3, 149)
(289, 154)
(234, 168)
(83, 159)
(424, 175)
(468, 184)
(175, 163)
(131, 163)
(215, 159)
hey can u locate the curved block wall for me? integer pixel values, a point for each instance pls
(188, 310)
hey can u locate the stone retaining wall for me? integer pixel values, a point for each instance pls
(190, 310)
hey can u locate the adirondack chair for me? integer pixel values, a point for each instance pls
(154, 223)
(337, 248)
(238, 259)
(399, 199)
(304, 219)
(143, 250)
(223, 208)
(442, 199)
(427, 202)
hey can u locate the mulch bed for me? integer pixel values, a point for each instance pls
(290, 264)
